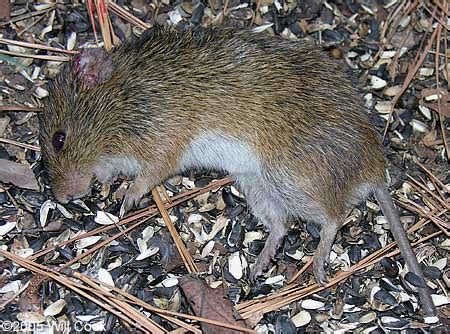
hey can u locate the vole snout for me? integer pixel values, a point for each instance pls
(75, 184)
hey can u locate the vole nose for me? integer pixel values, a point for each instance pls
(62, 198)
(74, 185)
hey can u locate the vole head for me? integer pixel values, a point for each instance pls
(79, 124)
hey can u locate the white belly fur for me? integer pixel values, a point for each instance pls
(220, 152)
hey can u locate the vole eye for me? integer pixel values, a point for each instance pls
(58, 140)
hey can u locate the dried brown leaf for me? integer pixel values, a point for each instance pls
(210, 303)
(445, 105)
(430, 138)
(426, 92)
(18, 174)
(30, 300)
(425, 152)
(5, 10)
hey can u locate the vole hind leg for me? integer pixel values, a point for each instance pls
(322, 255)
(273, 242)
(266, 208)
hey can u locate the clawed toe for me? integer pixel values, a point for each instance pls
(130, 200)
(261, 264)
(254, 274)
(319, 271)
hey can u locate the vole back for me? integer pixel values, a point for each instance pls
(278, 115)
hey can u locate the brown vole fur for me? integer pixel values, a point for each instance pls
(278, 115)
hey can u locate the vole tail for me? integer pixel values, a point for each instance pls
(387, 206)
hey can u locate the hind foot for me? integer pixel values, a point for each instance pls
(319, 265)
(259, 267)
(269, 251)
(322, 256)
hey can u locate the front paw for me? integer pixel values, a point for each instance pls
(132, 198)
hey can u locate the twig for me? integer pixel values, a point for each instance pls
(444, 188)
(425, 188)
(76, 287)
(99, 289)
(414, 207)
(31, 25)
(408, 79)
(27, 16)
(258, 4)
(105, 27)
(135, 300)
(441, 115)
(446, 69)
(440, 21)
(395, 14)
(19, 108)
(443, 6)
(102, 244)
(24, 55)
(186, 257)
(95, 287)
(12, 199)
(223, 13)
(16, 143)
(35, 46)
(119, 11)
(165, 194)
(301, 271)
(91, 12)
(424, 220)
(273, 302)
(14, 296)
(139, 302)
(144, 213)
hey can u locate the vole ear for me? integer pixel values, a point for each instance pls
(93, 66)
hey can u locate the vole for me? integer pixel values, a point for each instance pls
(279, 116)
